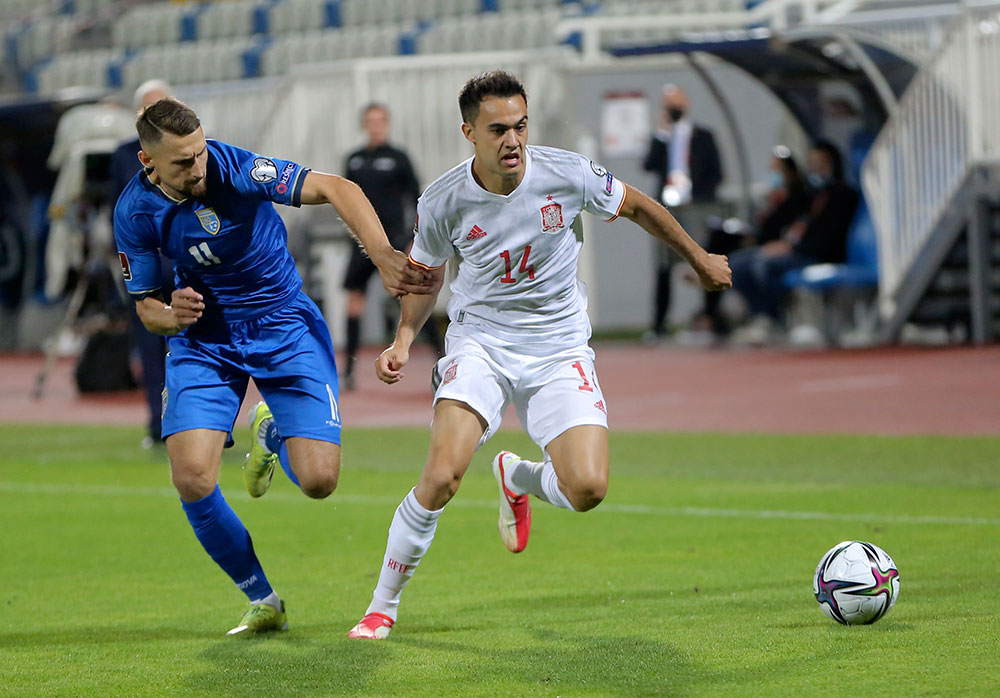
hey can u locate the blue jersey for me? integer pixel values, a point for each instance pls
(230, 245)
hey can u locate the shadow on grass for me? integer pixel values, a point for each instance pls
(613, 664)
(289, 664)
(474, 650)
(417, 664)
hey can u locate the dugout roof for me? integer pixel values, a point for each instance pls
(794, 64)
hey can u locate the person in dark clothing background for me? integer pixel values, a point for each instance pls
(819, 236)
(386, 177)
(787, 200)
(152, 347)
(685, 159)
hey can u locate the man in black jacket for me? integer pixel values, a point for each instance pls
(820, 236)
(685, 159)
(386, 176)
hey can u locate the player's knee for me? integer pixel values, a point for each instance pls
(442, 484)
(319, 488)
(447, 484)
(588, 493)
(193, 484)
(318, 483)
(316, 472)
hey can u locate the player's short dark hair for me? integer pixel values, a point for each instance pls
(496, 83)
(167, 115)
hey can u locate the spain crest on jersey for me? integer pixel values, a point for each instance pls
(552, 218)
(209, 221)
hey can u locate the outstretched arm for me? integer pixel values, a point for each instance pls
(712, 269)
(415, 309)
(353, 207)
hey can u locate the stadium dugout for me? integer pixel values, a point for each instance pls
(795, 67)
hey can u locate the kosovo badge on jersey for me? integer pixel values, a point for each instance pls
(209, 221)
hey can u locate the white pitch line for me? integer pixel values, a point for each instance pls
(705, 512)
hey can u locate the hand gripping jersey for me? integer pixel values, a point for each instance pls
(230, 245)
(518, 253)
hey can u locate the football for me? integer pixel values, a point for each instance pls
(856, 583)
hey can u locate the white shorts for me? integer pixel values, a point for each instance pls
(550, 393)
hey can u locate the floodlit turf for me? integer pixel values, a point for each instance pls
(693, 578)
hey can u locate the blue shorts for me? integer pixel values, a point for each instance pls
(289, 355)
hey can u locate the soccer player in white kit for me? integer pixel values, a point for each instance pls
(519, 326)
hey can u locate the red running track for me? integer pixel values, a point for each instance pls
(880, 391)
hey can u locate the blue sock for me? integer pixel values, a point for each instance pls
(227, 541)
(272, 439)
(276, 444)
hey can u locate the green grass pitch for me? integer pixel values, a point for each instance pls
(693, 578)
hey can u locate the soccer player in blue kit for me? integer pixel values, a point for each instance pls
(238, 312)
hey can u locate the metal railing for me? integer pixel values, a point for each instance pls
(916, 30)
(914, 27)
(945, 124)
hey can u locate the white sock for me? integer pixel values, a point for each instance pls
(523, 476)
(534, 478)
(550, 486)
(271, 600)
(410, 535)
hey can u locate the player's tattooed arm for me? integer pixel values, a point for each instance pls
(346, 197)
(712, 269)
(415, 310)
(185, 308)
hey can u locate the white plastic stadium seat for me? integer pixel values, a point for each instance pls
(279, 20)
(312, 14)
(393, 11)
(353, 12)
(278, 56)
(167, 22)
(335, 43)
(444, 37)
(382, 40)
(211, 22)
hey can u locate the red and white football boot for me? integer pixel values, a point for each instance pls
(374, 626)
(515, 510)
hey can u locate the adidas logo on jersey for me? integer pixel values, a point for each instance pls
(476, 233)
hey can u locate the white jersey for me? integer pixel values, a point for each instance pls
(517, 253)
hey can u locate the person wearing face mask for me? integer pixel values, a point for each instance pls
(818, 236)
(787, 200)
(685, 160)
